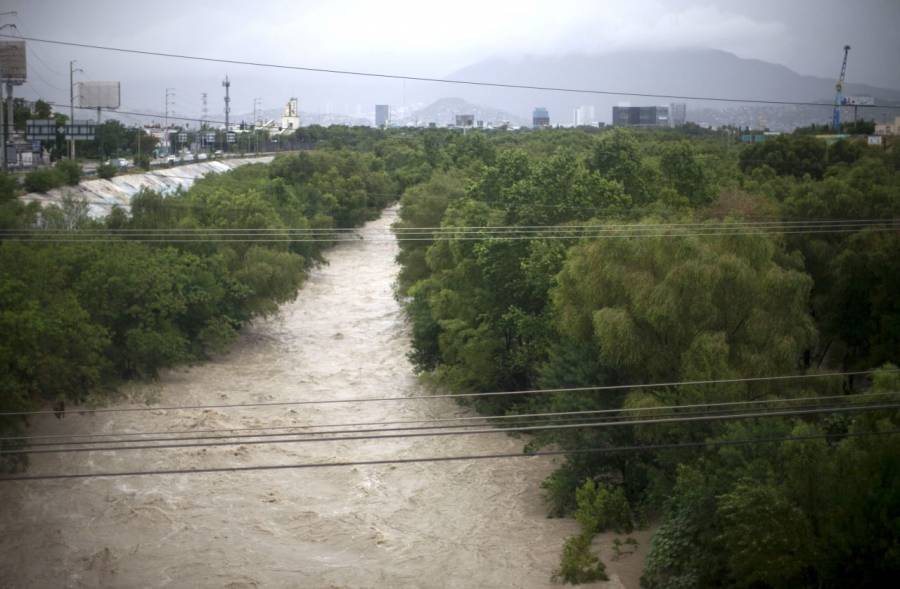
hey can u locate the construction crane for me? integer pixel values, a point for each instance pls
(839, 93)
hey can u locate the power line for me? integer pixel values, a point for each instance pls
(600, 412)
(358, 238)
(465, 395)
(605, 450)
(427, 79)
(339, 437)
(454, 230)
(379, 433)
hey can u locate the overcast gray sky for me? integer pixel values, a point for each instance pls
(420, 37)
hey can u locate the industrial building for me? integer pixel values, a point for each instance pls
(540, 117)
(382, 115)
(640, 116)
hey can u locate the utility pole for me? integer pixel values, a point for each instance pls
(227, 85)
(10, 118)
(255, 123)
(170, 93)
(6, 127)
(72, 70)
(201, 141)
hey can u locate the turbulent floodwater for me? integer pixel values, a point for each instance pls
(453, 524)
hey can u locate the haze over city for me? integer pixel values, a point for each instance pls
(430, 39)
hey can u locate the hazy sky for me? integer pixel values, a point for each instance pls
(430, 38)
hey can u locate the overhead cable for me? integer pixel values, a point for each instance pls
(387, 461)
(550, 423)
(631, 410)
(596, 388)
(471, 432)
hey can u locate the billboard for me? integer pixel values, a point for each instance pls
(100, 94)
(859, 101)
(12, 62)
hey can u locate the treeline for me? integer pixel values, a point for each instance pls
(497, 311)
(78, 318)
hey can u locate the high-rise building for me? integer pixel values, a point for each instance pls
(382, 115)
(640, 116)
(540, 117)
(677, 114)
(583, 116)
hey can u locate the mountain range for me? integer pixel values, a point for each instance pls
(683, 72)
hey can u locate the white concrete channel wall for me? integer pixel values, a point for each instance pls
(102, 195)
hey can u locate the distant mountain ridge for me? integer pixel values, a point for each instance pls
(684, 72)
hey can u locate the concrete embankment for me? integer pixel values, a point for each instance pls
(102, 195)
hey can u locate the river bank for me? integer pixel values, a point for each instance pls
(101, 195)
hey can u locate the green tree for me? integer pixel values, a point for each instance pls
(616, 157)
(70, 171)
(684, 172)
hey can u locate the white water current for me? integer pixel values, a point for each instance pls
(450, 524)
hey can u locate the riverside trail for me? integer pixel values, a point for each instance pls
(456, 524)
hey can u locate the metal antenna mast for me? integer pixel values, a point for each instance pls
(170, 93)
(72, 70)
(227, 85)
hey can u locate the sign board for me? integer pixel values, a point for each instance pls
(858, 101)
(874, 139)
(100, 94)
(12, 62)
(41, 129)
(80, 131)
(231, 137)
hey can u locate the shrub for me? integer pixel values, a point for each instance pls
(43, 179)
(577, 564)
(106, 171)
(601, 507)
(70, 171)
(8, 187)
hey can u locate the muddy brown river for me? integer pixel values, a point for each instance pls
(451, 524)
